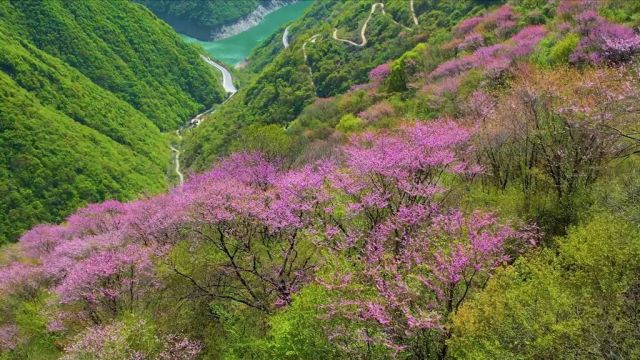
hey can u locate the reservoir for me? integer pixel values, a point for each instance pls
(235, 49)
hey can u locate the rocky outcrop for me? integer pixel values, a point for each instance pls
(249, 21)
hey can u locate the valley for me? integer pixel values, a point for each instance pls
(372, 179)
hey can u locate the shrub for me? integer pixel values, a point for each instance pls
(578, 303)
(560, 52)
(349, 123)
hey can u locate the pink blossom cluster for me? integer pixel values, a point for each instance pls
(95, 341)
(442, 89)
(379, 73)
(449, 256)
(502, 21)
(572, 7)
(129, 270)
(471, 41)
(179, 348)
(18, 276)
(377, 111)
(494, 59)
(99, 257)
(111, 342)
(263, 219)
(418, 258)
(602, 41)
(467, 25)
(8, 337)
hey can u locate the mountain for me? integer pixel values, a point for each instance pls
(86, 91)
(292, 80)
(143, 62)
(476, 196)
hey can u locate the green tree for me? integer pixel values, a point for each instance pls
(581, 303)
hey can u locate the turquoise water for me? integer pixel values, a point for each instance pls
(235, 49)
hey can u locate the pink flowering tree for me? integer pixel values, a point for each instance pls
(413, 263)
(96, 264)
(108, 283)
(20, 279)
(8, 337)
(130, 339)
(377, 112)
(380, 73)
(493, 59)
(258, 220)
(602, 41)
(471, 41)
(556, 130)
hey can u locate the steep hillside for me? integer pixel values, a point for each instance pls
(66, 141)
(475, 197)
(86, 87)
(318, 65)
(125, 49)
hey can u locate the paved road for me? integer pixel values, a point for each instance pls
(227, 84)
(227, 80)
(285, 37)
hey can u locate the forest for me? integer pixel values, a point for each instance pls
(83, 105)
(464, 184)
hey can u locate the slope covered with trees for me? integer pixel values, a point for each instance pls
(325, 67)
(476, 197)
(86, 87)
(123, 48)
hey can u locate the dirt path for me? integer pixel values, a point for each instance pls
(177, 158)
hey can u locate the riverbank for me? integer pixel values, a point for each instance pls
(233, 50)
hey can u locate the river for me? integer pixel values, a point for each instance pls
(235, 49)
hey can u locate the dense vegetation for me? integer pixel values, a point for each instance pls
(475, 197)
(290, 81)
(142, 61)
(85, 88)
(202, 18)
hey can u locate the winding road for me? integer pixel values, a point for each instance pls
(285, 37)
(227, 80)
(227, 84)
(364, 27)
(230, 89)
(363, 36)
(413, 13)
(304, 46)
